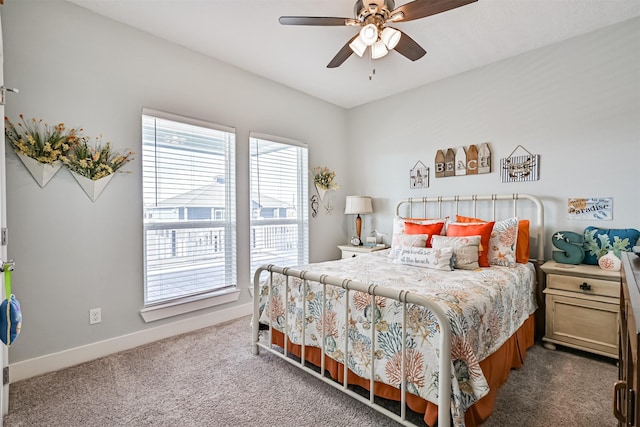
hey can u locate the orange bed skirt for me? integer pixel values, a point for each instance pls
(496, 370)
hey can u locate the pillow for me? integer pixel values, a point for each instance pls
(523, 251)
(465, 249)
(502, 245)
(411, 240)
(597, 241)
(398, 229)
(430, 229)
(436, 259)
(474, 229)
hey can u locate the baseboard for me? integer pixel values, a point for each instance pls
(73, 356)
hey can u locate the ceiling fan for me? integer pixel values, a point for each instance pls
(373, 19)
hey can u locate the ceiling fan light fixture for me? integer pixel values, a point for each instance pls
(357, 46)
(390, 37)
(378, 50)
(368, 34)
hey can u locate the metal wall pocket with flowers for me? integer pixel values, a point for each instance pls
(91, 187)
(39, 145)
(41, 172)
(93, 166)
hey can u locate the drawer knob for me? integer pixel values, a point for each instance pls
(353, 256)
(585, 286)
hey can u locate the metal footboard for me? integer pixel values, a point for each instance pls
(444, 390)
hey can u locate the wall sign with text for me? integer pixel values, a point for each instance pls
(471, 160)
(591, 208)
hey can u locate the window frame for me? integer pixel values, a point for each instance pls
(301, 205)
(208, 298)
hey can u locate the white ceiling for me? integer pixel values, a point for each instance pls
(246, 33)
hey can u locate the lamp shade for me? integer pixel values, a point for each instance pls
(390, 37)
(378, 50)
(358, 205)
(358, 46)
(369, 34)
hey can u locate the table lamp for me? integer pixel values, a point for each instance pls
(357, 205)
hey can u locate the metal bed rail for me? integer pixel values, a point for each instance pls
(444, 387)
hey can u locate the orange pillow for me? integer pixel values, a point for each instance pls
(430, 229)
(475, 229)
(522, 249)
(522, 244)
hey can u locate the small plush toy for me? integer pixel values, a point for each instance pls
(10, 314)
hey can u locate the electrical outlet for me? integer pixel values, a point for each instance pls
(95, 316)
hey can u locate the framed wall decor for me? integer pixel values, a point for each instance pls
(525, 167)
(591, 208)
(419, 176)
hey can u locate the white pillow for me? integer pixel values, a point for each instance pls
(398, 230)
(437, 259)
(465, 249)
(409, 240)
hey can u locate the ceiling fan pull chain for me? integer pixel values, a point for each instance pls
(373, 69)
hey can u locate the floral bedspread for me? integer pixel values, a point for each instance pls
(485, 307)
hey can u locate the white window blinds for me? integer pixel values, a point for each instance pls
(189, 207)
(279, 193)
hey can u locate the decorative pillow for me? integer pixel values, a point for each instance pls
(523, 251)
(465, 249)
(502, 245)
(598, 241)
(474, 229)
(410, 240)
(437, 259)
(398, 229)
(430, 229)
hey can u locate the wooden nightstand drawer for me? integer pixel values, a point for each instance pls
(349, 251)
(583, 323)
(582, 307)
(586, 285)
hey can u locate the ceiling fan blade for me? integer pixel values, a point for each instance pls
(409, 48)
(342, 54)
(313, 20)
(421, 8)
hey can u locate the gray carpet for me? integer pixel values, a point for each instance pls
(210, 378)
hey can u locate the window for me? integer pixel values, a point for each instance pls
(279, 193)
(189, 209)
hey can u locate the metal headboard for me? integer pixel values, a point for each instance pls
(452, 205)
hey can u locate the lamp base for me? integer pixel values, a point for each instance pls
(359, 229)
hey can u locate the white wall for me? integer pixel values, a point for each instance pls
(575, 103)
(71, 255)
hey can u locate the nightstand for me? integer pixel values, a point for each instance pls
(582, 307)
(349, 251)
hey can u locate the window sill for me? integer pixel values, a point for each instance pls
(187, 305)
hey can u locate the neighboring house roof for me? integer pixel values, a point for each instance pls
(213, 195)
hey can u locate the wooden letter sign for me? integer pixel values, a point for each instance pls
(463, 160)
(439, 164)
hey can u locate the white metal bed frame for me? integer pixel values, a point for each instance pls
(444, 390)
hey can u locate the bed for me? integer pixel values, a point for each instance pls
(405, 326)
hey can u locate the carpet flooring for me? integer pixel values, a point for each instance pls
(210, 378)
